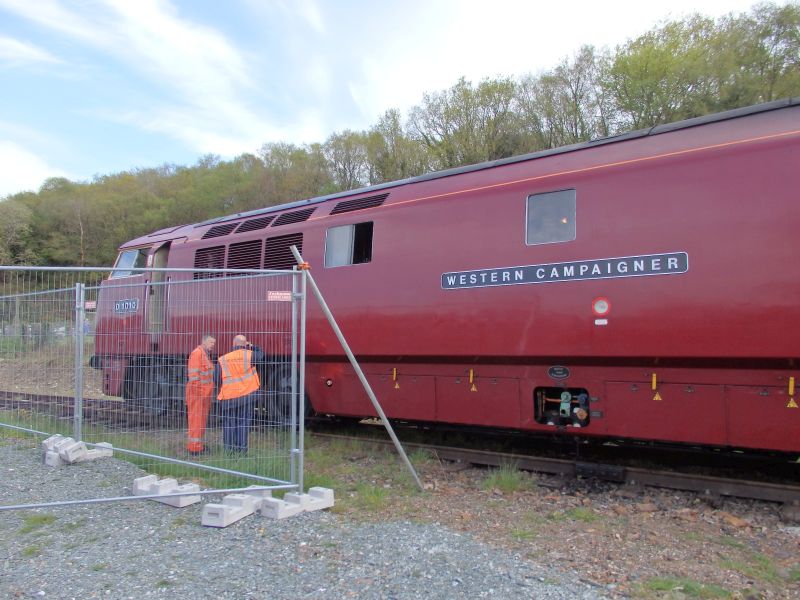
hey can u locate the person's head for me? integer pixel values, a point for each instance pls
(240, 341)
(208, 342)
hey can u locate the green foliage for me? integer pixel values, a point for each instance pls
(31, 551)
(371, 498)
(36, 521)
(507, 479)
(683, 588)
(579, 513)
(680, 69)
(756, 566)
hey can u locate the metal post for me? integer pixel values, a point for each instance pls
(80, 293)
(293, 451)
(375, 404)
(302, 409)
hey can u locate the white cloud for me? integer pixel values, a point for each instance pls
(310, 12)
(21, 169)
(202, 78)
(15, 53)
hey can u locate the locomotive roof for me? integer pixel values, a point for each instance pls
(171, 232)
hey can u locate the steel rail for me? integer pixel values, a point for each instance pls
(704, 484)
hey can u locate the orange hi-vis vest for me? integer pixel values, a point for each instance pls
(239, 376)
(200, 369)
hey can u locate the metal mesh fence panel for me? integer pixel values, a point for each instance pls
(132, 359)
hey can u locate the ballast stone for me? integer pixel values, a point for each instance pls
(150, 485)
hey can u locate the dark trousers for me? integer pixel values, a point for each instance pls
(237, 413)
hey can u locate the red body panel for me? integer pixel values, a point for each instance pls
(721, 338)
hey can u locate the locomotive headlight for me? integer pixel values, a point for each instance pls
(601, 307)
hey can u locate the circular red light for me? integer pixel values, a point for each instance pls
(601, 307)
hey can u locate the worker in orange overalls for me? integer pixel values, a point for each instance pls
(237, 375)
(199, 393)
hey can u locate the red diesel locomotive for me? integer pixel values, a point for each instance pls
(643, 286)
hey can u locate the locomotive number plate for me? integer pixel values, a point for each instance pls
(130, 305)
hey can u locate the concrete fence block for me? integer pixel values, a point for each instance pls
(49, 443)
(260, 494)
(141, 485)
(150, 485)
(72, 453)
(293, 503)
(321, 498)
(106, 447)
(101, 450)
(181, 501)
(273, 508)
(62, 443)
(164, 486)
(53, 459)
(234, 507)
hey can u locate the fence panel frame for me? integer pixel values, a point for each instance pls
(295, 396)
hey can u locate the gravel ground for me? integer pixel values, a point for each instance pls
(144, 549)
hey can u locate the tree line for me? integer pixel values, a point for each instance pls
(679, 69)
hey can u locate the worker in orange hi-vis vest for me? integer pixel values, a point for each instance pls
(199, 393)
(237, 375)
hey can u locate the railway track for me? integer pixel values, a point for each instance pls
(111, 413)
(706, 484)
(115, 414)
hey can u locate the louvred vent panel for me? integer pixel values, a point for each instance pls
(296, 216)
(254, 224)
(219, 230)
(244, 255)
(209, 258)
(359, 204)
(277, 254)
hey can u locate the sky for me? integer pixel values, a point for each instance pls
(96, 87)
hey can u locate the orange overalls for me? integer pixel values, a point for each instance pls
(199, 394)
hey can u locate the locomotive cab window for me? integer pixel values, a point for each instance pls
(348, 245)
(551, 217)
(129, 259)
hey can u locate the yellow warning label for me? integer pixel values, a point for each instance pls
(657, 396)
(396, 386)
(473, 388)
(792, 403)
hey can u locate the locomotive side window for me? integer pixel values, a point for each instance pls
(127, 260)
(348, 245)
(551, 217)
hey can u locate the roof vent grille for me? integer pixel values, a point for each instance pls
(359, 204)
(218, 231)
(297, 216)
(254, 224)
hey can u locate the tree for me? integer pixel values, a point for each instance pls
(657, 77)
(346, 153)
(391, 153)
(296, 172)
(466, 124)
(566, 105)
(16, 246)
